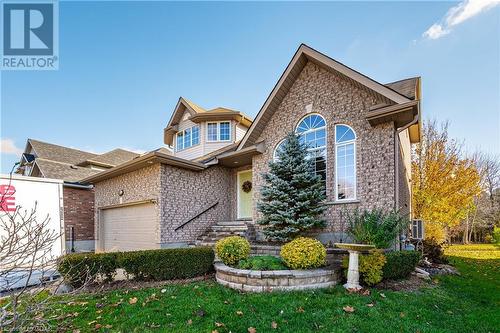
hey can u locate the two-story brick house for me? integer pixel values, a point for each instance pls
(359, 132)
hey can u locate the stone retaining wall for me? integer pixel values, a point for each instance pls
(285, 280)
(333, 256)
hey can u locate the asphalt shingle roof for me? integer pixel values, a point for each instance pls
(406, 87)
(114, 157)
(65, 171)
(58, 153)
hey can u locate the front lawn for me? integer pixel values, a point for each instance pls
(466, 303)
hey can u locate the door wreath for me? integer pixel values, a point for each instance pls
(247, 186)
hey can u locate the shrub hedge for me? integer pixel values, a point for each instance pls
(400, 264)
(162, 264)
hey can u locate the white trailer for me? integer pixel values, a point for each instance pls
(23, 194)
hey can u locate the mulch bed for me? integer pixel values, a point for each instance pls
(413, 283)
(134, 285)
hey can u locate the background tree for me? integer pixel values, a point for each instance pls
(444, 182)
(291, 199)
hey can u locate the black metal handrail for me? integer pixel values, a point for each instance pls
(202, 211)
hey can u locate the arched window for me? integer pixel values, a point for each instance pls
(345, 163)
(279, 146)
(312, 131)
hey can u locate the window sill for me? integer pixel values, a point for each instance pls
(332, 203)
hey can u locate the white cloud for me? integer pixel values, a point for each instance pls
(7, 146)
(457, 15)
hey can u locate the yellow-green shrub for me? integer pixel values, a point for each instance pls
(232, 249)
(370, 267)
(303, 253)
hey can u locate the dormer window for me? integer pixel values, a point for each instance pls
(219, 131)
(187, 138)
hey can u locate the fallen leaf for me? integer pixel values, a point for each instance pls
(215, 331)
(97, 326)
(382, 295)
(365, 292)
(91, 322)
(108, 326)
(163, 291)
(300, 309)
(219, 324)
(227, 302)
(76, 331)
(239, 313)
(402, 314)
(348, 308)
(132, 300)
(190, 321)
(98, 311)
(274, 325)
(252, 330)
(370, 305)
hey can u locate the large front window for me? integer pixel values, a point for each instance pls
(219, 131)
(345, 152)
(312, 131)
(187, 138)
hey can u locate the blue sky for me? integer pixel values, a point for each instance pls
(123, 65)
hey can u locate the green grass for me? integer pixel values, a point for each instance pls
(262, 263)
(466, 303)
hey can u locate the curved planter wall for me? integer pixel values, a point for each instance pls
(261, 281)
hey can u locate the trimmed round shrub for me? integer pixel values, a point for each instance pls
(400, 264)
(303, 253)
(232, 249)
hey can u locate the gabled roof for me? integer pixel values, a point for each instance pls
(59, 153)
(387, 94)
(199, 114)
(65, 171)
(111, 158)
(407, 87)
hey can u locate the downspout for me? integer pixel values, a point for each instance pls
(396, 163)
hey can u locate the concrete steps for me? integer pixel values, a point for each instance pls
(224, 229)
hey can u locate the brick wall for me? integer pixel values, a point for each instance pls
(79, 214)
(338, 101)
(139, 185)
(185, 193)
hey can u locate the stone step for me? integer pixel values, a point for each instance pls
(232, 223)
(224, 228)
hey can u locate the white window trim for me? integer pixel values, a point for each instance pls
(218, 131)
(275, 158)
(337, 145)
(191, 136)
(326, 140)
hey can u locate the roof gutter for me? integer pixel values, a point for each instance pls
(143, 161)
(78, 186)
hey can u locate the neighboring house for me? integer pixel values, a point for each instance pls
(46, 160)
(359, 132)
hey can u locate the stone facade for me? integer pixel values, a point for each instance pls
(186, 193)
(78, 219)
(339, 102)
(139, 185)
(181, 194)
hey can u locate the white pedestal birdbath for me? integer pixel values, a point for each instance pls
(353, 271)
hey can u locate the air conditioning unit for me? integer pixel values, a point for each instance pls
(417, 229)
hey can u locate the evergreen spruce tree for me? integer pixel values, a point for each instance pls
(291, 199)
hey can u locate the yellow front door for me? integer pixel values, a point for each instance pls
(244, 195)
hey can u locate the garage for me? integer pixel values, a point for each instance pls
(129, 228)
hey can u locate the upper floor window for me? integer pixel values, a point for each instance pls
(219, 131)
(312, 131)
(187, 138)
(345, 173)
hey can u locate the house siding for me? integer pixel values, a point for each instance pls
(184, 193)
(339, 102)
(139, 185)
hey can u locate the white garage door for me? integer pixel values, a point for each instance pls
(129, 228)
